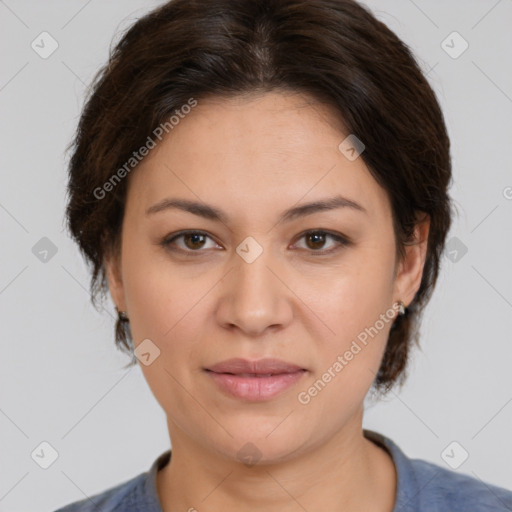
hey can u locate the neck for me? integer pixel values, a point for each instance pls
(348, 472)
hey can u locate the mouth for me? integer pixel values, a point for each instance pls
(257, 375)
(254, 380)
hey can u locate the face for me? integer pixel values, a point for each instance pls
(315, 288)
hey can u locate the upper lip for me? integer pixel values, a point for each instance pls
(260, 366)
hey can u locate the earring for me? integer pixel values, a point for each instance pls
(402, 306)
(123, 317)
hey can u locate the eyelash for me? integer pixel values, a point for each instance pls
(167, 242)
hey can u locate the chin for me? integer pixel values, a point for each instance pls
(254, 446)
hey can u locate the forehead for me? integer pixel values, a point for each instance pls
(255, 153)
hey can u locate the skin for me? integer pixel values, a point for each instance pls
(254, 157)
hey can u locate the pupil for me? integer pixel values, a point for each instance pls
(319, 239)
(195, 240)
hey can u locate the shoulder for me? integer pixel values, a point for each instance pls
(427, 487)
(449, 490)
(121, 497)
(138, 494)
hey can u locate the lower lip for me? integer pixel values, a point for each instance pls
(255, 388)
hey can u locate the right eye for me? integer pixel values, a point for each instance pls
(191, 241)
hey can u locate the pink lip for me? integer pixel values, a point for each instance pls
(254, 380)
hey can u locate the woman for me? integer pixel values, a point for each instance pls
(262, 187)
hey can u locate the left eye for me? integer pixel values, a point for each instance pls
(317, 240)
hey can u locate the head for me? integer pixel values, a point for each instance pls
(251, 109)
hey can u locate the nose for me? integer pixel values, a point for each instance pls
(255, 297)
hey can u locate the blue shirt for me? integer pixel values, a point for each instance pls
(421, 487)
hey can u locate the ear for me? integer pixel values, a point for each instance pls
(112, 263)
(410, 270)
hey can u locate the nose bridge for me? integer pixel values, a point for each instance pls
(254, 278)
(254, 298)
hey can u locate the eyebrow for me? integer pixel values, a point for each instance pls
(212, 213)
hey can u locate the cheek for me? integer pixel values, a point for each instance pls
(167, 306)
(359, 291)
(155, 294)
(357, 308)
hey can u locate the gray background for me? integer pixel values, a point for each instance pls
(61, 378)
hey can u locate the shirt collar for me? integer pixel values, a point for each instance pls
(408, 488)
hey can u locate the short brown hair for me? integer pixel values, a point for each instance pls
(335, 51)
